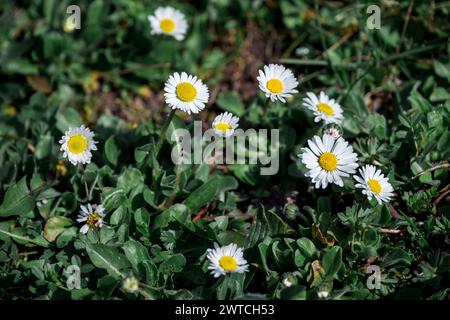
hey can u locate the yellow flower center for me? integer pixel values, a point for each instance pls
(374, 185)
(77, 143)
(325, 108)
(186, 92)
(93, 219)
(167, 25)
(275, 86)
(328, 161)
(223, 126)
(228, 263)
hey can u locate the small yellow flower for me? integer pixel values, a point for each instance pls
(61, 168)
(91, 82)
(69, 25)
(10, 111)
(132, 125)
(144, 91)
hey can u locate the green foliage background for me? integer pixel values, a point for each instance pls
(393, 86)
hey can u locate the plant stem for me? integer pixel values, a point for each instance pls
(163, 131)
(265, 107)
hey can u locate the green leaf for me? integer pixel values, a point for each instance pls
(177, 212)
(135, 252)
(258, 232)
(274, 223)
(19, 200)
(55, 226)
(130, 179)
(142, 219)
(20, 66)
(441, 69)
(173, 264)
(231, 102)
(245, 173)
(397, 255)
(204, 194)
(19, 235)
(332, 261)
(108, 258)
(112, 150)
(67, 118)
(307, 248)
(66, 236)
(44, 146)
(231, 287)
(93, 26)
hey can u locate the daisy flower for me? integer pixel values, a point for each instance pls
(277, 82)
(374, 184)
(77, 144)
(93, 216)
(168, 21)
(328, 160)
(186, 92)
(225, 124)
(332, 131)
(227, 259)
(324, 108)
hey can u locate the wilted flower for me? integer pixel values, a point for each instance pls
(93, 216)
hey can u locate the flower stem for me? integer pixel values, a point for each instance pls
(163, 131)
(265, 107)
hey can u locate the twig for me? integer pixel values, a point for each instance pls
(201, 214)
(393, 211)
(390, 231)
(405, 25)
(439, 166)
(444, 192)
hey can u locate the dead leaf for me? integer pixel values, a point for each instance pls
(40, 84)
